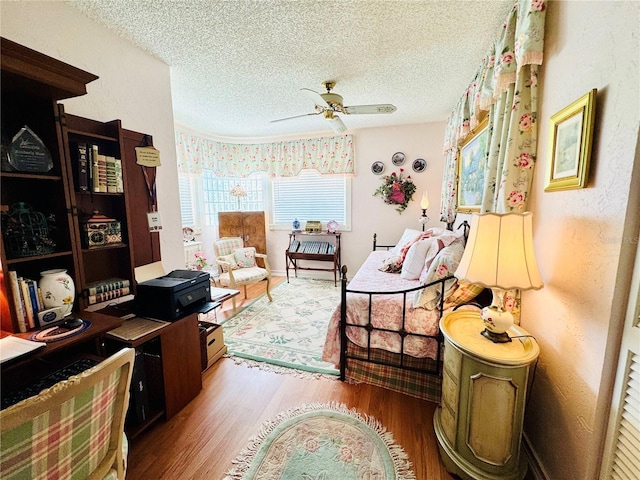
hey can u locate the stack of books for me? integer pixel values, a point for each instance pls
(28, 301)
(105, 290)
(97, 172)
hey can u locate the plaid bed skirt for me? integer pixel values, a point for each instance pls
(422, 385)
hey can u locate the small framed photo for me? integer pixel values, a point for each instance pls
(377, 167)
(570, 140)
(419, 165)
(398, 159)
(472, 168)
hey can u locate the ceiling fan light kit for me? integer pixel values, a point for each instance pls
(330, 103)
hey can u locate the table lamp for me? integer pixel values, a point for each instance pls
(499, 255)
(424, 204)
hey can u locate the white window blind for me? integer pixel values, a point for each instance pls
(310, 196)
(187, 209)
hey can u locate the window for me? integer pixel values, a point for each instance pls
(216, 195)
(187, 197)
(311, 196)
(308, 196)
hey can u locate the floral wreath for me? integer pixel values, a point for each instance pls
(396, 190)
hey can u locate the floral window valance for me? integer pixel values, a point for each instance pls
(328, 155)
(505, 85)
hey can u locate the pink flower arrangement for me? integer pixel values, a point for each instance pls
(200, 261)
(396, 190)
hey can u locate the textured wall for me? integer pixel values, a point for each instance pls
(579, 237)
(133, 87)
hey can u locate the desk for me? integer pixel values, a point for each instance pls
(23, 371)
(168, 363)
(295, 253)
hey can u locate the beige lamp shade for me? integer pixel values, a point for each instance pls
(499, 252)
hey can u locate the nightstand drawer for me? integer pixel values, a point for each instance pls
(452, 361)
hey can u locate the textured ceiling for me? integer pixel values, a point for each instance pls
(238, 64)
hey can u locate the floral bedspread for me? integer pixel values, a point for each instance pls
(386, 312)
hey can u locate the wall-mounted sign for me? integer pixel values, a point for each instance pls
(148, 156)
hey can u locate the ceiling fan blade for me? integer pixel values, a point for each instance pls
(380, 108)
(315, 97)
(336, 124)
(297, 116)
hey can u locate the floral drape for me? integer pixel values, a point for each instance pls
(328, 155)
(505, 85)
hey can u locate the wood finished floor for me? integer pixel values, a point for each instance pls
(203, 439)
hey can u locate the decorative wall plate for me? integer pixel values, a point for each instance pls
(398, 159)
(419, 165)
(377, 167)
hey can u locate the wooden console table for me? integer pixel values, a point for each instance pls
(308, 246)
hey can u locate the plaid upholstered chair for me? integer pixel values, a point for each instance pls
(74, 429)
(237, 266)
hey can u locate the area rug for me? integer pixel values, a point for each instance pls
(322, 442)
(288, 332)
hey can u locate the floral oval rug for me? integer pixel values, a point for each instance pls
(322, 442)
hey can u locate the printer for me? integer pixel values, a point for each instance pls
(174, 295)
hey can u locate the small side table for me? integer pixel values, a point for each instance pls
(484, 389)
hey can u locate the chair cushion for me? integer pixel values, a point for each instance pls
(245, 257)
(243, 276)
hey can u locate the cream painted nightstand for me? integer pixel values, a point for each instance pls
(484, 388)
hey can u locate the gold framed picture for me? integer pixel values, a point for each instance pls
(472, 168)
(570, 139)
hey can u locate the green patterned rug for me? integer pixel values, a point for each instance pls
(288, 332)
(322, 442)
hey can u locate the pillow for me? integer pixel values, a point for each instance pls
(408, 235)
(392, 264)
(228, 259)
(443, 265)
(245, 257)
(413, 263)
(463, 293)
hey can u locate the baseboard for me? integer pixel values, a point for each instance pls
(535, 467)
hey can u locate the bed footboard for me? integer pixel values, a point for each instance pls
(400, 360)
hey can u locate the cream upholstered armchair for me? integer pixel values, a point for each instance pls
(237, 266)
(74, 429)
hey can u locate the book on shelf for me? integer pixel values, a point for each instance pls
(112, 179)
(99, 170)
(102, 173)
(30, 315)
(102, 286)
(119, 180)
(17, 301)
(83, 167)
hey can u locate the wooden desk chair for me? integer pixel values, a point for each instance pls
(74, 429)
(237, 266)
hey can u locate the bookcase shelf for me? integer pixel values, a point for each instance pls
(32, 86)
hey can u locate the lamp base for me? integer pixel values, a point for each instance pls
(496, 337)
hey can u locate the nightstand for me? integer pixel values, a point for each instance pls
(484, 389)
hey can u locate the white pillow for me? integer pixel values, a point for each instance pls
(408, 235)
(443, 265)
(414, 261)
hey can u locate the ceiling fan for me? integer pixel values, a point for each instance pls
(328, 104)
